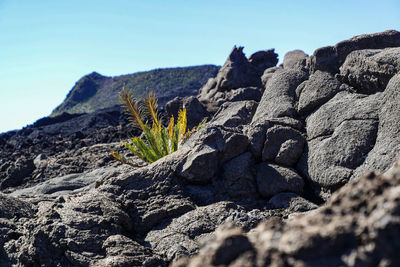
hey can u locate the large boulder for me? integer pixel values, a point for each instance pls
(263, 60)
(279, 96)
(340, 133)
(239, 176)
(273, 179)
(330, 58)
(295, 59)
(237, 72)
(317, 90)
(283, 144)
(17, 172)
(257, 130)
(370, 70)
(386, 148)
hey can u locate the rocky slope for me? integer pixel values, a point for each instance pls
(274, 178)
(95, 91)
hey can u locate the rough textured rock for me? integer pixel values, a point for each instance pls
(235, 115)
(238, 79)
(183, 235)
(15, 173)
(387, 146)
(256, 131)
(283, 144)
(296, 59)
(195, 112)
(239, 176)
(71, 183)
(292, 202)
(370, 70)
(237, 72)
(360, 228)
(278, 99)
(273, 179)
(240, 94)
(263, 60)
(330, 58)
(340, 134)
(11, 207)
(317, 90)
(267, 75)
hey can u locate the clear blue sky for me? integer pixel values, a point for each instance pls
(47, 45)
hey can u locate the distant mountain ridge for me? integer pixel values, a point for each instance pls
(95, 91)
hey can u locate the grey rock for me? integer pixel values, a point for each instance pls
(68, 231)
(291, 202)
(16, 173)
(237, 72)
(283, 144)
(71, 183)
(344, 106)
(387, 146)
(328, 236)
(239, 176)
(295, 59)
(273, 179)
(330, 58)
(40, 160)
(11, 207)
(340, 135)
(257, 130)
(123, 251)
(240, 94)
(317, 90)
(267, 75)
(76, 161)
(200, 165)
(208, 149)
(195, 112)
(370, 70)
(190, 229)
(234, 115)
(263, 60)
(151, 194)
(278, 99)
(201, 194)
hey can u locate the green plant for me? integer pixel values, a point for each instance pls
(159, 140)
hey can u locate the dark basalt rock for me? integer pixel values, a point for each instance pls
(263, 60)
(369, 71)
(330, 58)
(296, 59)
(359, 226)
(238, 79)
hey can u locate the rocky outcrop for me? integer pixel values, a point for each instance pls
(370, 70)
(330, 58)
(238, 79)
(284, 148)
(359, 226)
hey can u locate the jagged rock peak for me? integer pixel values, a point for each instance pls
(236, 56)
(235, 77)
